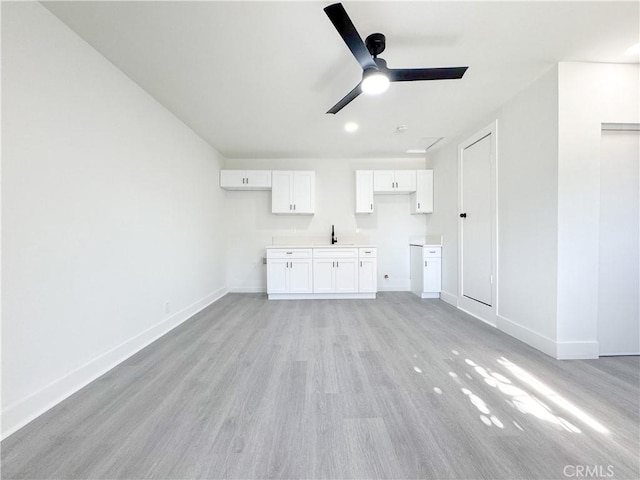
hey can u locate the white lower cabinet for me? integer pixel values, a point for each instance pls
(368, 271)
(335, 270)
(330, 272)
(426, 271)
(289, 271)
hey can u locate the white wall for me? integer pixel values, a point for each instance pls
(590, 94)
(110, 209)
(548, 203)
(444, 219)
(252, 226)
(526, 211)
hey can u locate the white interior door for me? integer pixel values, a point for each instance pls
(618, 282)
(476, 223)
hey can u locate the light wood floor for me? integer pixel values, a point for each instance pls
(397, 387)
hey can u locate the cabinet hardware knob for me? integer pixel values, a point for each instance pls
(372, 207)
(463, 215)
(337, 264)
(294, 206)
(333, 264)
(247, 180)
(418, 204)
(425, 263)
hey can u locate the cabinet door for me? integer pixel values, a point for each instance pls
(432, 275)
(281, 188)
(368, 276)
(405, 181)
(277, 273)
(346, 275)
(304, 192)
(384, 181)
(232, 179)
(422, 199)
(364, 191)
(258, 179)
(300, 276)
(323, 281)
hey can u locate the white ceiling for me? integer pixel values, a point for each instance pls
(255, 78)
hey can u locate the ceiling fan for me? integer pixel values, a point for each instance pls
(375, 74)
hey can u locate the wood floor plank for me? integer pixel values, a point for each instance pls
(396, 387)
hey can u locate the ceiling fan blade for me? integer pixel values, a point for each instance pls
(338, 16)
(412, 74)
(346, 100)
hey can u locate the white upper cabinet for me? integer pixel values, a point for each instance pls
(245, 179)
(422, 198)
(394, 181)
(293, 192)
(364, 191)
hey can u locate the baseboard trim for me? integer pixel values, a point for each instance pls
(577, 350)
(247, 290)
(476, 316)
(620, 354)
(394, 288)
(18, 414)
(450, 298)
(526, 335)
(321, 296)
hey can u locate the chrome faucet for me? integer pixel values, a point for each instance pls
(334, 240)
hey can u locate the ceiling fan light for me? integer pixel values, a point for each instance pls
(374, 82)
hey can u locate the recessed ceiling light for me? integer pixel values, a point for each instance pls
(351, 127)
(416, 150)
(402, 128)
(634, 50)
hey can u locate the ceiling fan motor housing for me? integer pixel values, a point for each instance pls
(375, 43)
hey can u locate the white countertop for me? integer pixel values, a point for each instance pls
(428, 245)
(323, 245)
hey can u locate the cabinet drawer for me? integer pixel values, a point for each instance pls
(367, 252)
(335, 253)
(289, 253)
(432, 252)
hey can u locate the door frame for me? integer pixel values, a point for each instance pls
(487, 314)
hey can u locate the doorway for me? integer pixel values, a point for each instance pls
(477, 225)
(619, 258)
